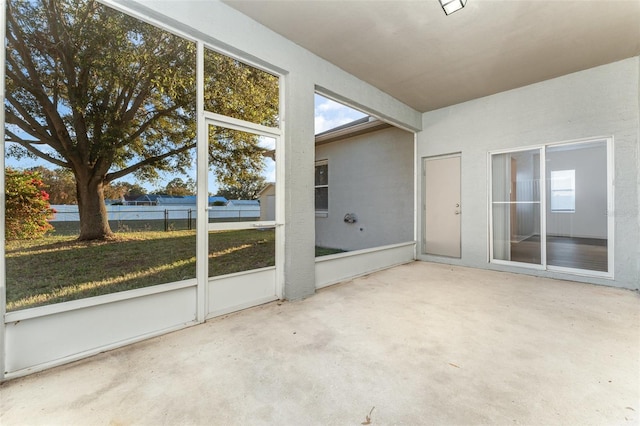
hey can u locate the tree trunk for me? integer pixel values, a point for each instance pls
(94, 222)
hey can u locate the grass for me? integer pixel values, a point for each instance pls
(73, 228)
(57, 268)
(325, 251)
(120, 226)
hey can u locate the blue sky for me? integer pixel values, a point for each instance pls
(328, 115)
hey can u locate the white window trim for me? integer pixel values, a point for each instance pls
(572, 189)
(322, 212)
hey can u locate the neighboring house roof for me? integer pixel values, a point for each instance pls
(348, 125)
(265, 187)
(147, 197)
(215, 199)
(354, 128)
(244, 202)
(176, 199)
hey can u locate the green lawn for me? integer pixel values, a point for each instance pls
(73, 228)
(58, 268)
(325, 251)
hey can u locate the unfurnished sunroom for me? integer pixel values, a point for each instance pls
(534, 173)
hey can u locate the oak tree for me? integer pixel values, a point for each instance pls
(177, 186)
(105, 95)
(246, 188)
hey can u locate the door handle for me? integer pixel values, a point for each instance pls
(457, 212)
(264, 225)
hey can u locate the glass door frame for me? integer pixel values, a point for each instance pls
(217, 120)
(543, 198)
(610, 211)
(543, 206)
(202, 221)
(204, 120)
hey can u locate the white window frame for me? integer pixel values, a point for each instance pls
(553, 188)
(321, 212)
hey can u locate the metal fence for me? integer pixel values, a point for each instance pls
(133, 221)
(67, 219)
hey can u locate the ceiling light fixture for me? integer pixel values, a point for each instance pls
(450, 6)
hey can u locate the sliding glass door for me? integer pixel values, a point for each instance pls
(516, 206)
(550, 207)
(577, 213)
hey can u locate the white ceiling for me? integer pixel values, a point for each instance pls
(412, 51)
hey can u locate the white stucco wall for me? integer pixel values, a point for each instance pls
(225, 28)
(601, 101)
(370, 175)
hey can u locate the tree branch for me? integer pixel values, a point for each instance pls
(147, 161)
(65, 47)
(137, 102)
(144, 126)
(28, 145)
(33, 83)
(28, 123)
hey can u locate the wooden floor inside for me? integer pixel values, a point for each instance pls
(568, 252)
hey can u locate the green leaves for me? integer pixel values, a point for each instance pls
(239, 90)
(98, 86)
(103, 94)
(27, 206)
(179, 187)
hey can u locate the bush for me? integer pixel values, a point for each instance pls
(27, 207)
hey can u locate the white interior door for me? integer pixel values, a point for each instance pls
(442, 206)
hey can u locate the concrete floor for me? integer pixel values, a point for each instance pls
(422, 343)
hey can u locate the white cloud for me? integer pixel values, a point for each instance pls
(330, 114)
(267, 142)
(327, 105)
(270, 171)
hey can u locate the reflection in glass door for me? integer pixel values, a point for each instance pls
(550, 207)
(516, 207)
(242, 191)
(577, 220)
(241, 218)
